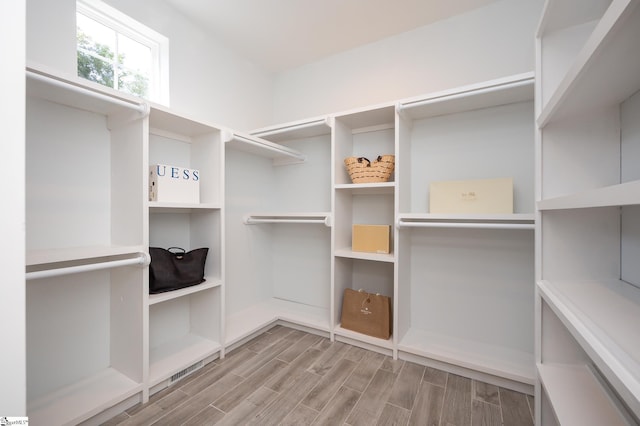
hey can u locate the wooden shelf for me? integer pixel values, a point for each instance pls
(569, 387)
(611, 341)
(596, 79)
(81, 400)
(495, 360)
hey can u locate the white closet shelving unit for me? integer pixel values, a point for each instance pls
(186, 326)
(85, 249)
(362, 133)
(278, 211)
(588, 295)
(89, 226)
(465, 283)
(462, 286)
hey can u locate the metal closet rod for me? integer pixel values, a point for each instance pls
(524, 226)
(252, 221)
(142, 108)
(142, 260)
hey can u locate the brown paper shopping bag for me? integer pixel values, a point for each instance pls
(366, 313)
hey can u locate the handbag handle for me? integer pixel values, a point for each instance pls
(367, 296)
(361, 159)
(362, 291)
(180, 254)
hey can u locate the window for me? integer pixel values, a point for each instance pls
(116, 51)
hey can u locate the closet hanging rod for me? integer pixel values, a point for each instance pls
(142, 260)
(254, 221)
(142, 108)
(461, 95)
(475, 225)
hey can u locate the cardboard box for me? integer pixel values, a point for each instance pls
(472, 196)
(173, 184)
(371, 238)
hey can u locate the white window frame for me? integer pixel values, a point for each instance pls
(123, 24)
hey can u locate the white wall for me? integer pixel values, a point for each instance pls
(51, 34)
(489, 42)
(12, 226)
(208, 81)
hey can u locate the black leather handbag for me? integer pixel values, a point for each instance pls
(175, 268)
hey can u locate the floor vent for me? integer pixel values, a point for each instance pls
(180, 374)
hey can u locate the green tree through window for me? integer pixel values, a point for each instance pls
(97, 62)
(115, 50)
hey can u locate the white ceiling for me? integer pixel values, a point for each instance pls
(283, 34)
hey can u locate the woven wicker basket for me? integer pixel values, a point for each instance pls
(362, 170)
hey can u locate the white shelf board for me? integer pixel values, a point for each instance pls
(375, 341)
(289, 217)
(171, 295)
(604, 72)
(508, 90)
(164, 119)
(40, 257)
(382, 116)
(376, 257)
(603, 317)
(489, 218)
(294, 130)
(174, 356)
(367, 188)
(246, 322)
(560, 14)
(499, 361)
(164, 207)
(79, 401)
(262, 147)
(79, 93)
(577, 396)
(623, 194)
(481, 221)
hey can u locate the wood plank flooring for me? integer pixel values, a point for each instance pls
(289, 377)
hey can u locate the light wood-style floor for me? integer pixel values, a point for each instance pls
(289, 377)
